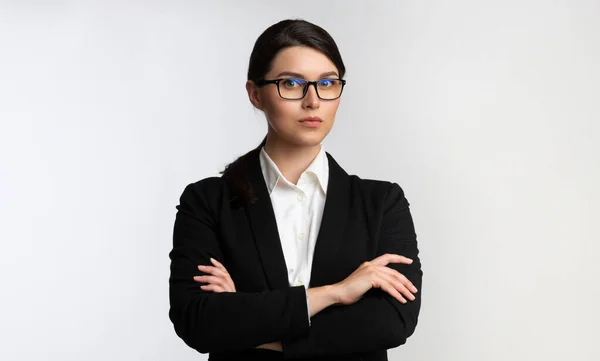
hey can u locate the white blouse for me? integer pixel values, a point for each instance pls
(298, 212)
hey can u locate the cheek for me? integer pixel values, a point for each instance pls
(281, 110)
(331, 108)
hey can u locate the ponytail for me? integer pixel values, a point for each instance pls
(237, 175)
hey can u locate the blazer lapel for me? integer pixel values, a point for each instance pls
(264, 227)
(266, 235)
(333, 223)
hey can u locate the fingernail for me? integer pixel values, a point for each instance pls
(201, 267)
(196, 278)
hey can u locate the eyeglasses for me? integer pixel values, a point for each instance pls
(295, 89)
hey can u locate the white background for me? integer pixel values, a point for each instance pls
(485, 112)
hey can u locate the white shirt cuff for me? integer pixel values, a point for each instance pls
(307, 305)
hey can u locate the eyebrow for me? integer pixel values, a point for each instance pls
(298, 75)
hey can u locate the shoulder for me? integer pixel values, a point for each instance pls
(375, 186)
(381, 192)
(370, 185)
(207, 186)
(370, 190)
(208, 191)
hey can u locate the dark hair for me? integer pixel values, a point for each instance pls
(284, 34)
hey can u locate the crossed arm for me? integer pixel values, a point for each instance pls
(371, 308)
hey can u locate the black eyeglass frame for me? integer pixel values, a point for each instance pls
(263, 82)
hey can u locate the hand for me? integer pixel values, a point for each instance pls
(376, 274)
(220, 281)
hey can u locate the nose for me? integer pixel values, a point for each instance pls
(311, 99)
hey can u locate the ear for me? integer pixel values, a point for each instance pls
(254, 94)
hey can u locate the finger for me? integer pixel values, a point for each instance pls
(220, 273)
(218, 283)
(213, 288)
(387, 287)
(391, 258)
(224, 273)
(400, 277)
(216, 272)
(227, 286)
(210, 279)
(218, 265)
(213, 271)
(398, 286)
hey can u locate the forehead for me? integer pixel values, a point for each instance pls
(303, 60)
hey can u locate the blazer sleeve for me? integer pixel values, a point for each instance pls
(377, 321)
(216, 322)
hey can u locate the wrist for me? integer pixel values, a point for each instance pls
(333, 293)
(319, 298)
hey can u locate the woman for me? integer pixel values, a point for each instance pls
(286, 255)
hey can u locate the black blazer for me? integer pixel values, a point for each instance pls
(362, 219)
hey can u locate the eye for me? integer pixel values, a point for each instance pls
(326, 83)
(293, 83)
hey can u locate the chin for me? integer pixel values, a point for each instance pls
(307, 140)
(301, 137)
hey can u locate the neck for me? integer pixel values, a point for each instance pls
(291, 159)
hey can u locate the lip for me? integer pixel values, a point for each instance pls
(311, 122)
(311, 119)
